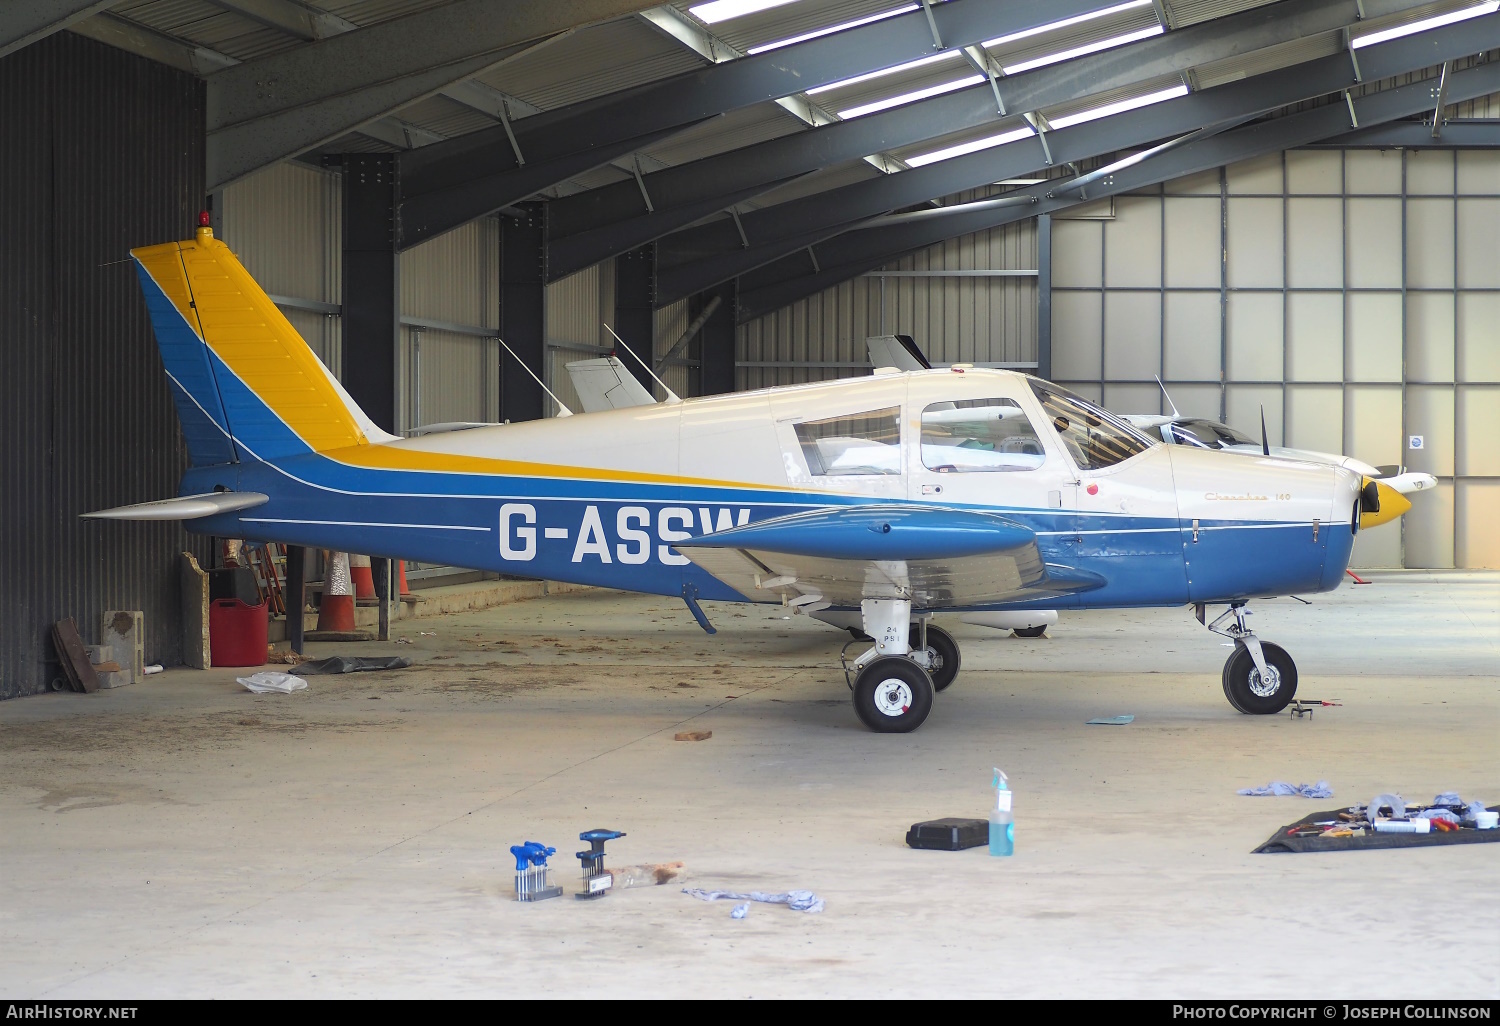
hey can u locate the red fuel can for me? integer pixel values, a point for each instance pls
(237, 633)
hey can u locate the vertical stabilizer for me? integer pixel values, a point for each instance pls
(247, 385)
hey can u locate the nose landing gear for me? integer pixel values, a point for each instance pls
(1259, 677)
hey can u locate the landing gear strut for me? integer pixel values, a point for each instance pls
(894, 681)
(1259, 677)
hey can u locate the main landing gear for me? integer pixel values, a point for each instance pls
(1259, 677)
(894, 681)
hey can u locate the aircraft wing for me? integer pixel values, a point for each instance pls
(607, 384)
(937, 557)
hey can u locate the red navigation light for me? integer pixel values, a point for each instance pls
(203, 219)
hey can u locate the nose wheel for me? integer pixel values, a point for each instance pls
(892, 695)
(1259, 677)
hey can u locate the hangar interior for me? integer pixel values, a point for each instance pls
(1281, 209)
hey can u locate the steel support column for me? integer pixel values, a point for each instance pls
(635, 317)
(715, 345)
(523, 313)
(1044, 297)
(296, 594)
(372, 286)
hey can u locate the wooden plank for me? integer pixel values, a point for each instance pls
(75, 660)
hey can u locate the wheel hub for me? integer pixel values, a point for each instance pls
(1267, 686)
(893, 697)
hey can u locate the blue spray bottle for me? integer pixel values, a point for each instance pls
(1002, 823)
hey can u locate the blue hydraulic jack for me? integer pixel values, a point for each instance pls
(596, 882)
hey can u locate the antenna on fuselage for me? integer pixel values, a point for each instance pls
(672, 397)
(1166, 396)
(562, 411)
(1265, 439)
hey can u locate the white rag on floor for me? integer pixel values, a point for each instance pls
(797, 901)
(267, 681)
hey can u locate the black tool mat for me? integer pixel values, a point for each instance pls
(1280, 842)
(350, 664)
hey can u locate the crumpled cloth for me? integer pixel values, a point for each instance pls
(270, 681)
(1281, 788)
(740, 911)
(797, 901)
(352, 664)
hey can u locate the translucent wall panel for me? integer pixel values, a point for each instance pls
(1479, 172)
(1372, 424)
(1315, 243)
(1372, 171)
(1192, 336)
(1132, 334)
(1429, 173)
(1373, 230)
(1478, 232)
(1429, 243)
(1205, 183)
(1430, 413)
(1427, 529)
(1255, 330)
(1478, 336)
(1476, 543)
(1133, 398)
(1374, 332)
(1197, 400)
(1259, 175)
(1242, 407)
(1315, 417)
(1315, 336)
(1477, 452)
(1255, 251)
(1429, 336)
(1089, 390)
(1377, 548)
(1315, 171)
(1077, 253)
(1076, 343)
(1132, 243)
(1192, 242)
(452, 376)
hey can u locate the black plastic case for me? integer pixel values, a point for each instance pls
(949, 834)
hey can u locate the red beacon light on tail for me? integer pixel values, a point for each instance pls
(205, 231)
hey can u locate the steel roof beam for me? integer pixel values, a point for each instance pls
(590, 226)
(856, 252)
(475, 174)
(1475, 134)
(23, 22)
(275, 107)
(695, 259)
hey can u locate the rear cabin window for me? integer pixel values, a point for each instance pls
(979, 436)
(1094, 437)
(857, 445)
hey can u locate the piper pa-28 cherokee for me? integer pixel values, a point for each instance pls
(892, 497)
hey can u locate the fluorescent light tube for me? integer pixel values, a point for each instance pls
(973, 146)
(830, 30)
(1103, 12)
(1087, 48)
(946, 55)
(1118, 108)
(723, 10)
(918, 94)
(1396, 32)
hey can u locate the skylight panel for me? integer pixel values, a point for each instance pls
(1087, 48)
(723, 10)
(1065, 23)
(911, 97)
(946, 55)
(1396, 32)
(1119, 107)
(972, 146)
(830, 30)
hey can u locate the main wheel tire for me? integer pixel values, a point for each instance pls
(1031, 632)
(942, 651)
(1245, 689)
(892, 695)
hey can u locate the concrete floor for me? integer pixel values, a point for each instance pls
(183, 837)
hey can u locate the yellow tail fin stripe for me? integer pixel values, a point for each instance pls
(164, 264)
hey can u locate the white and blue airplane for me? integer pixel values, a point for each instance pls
(887, 498)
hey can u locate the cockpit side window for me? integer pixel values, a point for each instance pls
(856, 445)
(1094, 437)
(979, 436)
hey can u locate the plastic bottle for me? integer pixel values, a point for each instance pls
(1002, 824)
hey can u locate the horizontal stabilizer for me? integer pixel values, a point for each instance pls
(186, 507)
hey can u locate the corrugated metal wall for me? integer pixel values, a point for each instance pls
(100, 152)
(954, 319)
(578, 307)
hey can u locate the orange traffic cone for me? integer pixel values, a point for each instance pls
(401, 564)
(336, 612)
(364, 580)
